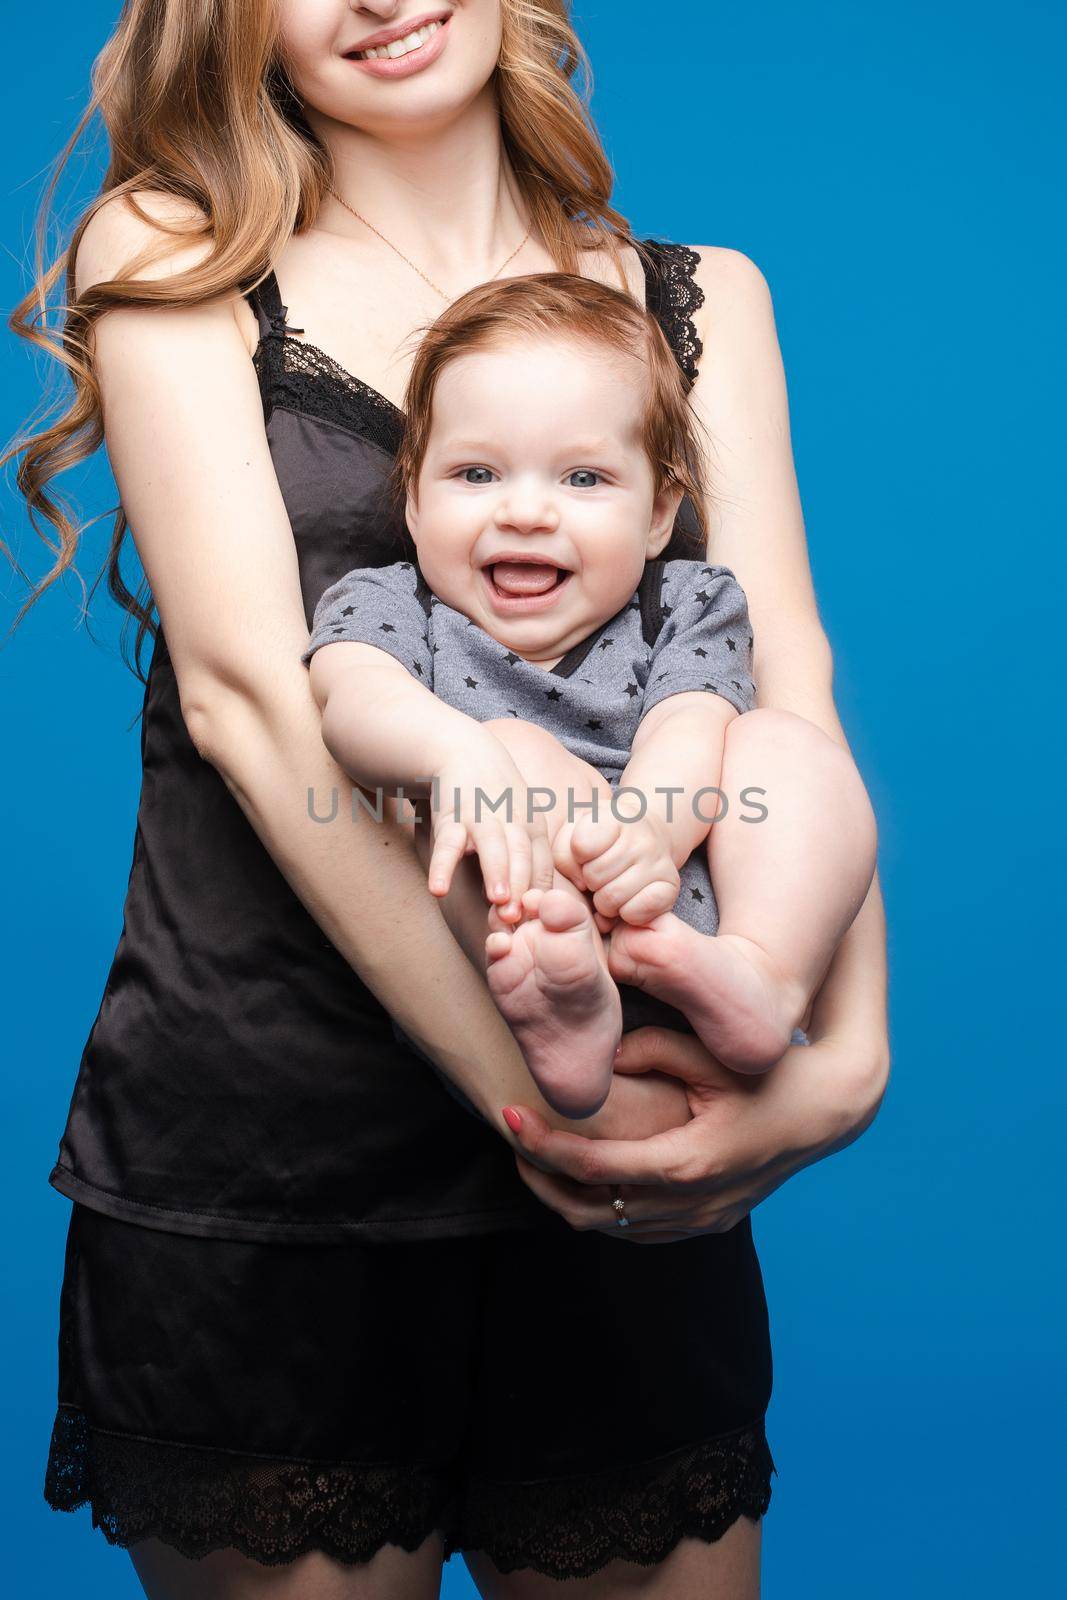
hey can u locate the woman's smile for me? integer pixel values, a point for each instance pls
(407, 48)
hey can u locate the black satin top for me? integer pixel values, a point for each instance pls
(239, 1081)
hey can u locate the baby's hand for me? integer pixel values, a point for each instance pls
(626, 865)
(514, 855)
(567, 863)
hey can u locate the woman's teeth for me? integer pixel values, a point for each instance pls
(400, 47)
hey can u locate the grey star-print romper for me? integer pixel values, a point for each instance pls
(685, 628)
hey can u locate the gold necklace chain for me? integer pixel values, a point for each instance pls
(446, 297)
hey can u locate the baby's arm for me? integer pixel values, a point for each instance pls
(371, 670)
(390, 733)
(698, 680)
(385, 729)
(629, 861)
(675, 760)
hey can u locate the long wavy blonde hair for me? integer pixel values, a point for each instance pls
(198, 103)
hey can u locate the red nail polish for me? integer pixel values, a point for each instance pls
(512, 1118)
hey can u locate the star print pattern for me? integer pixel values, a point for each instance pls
(700, 607)
(701, 644)
(594, 703)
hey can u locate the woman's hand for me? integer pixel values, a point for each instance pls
(746, 1135)
(639, 1105)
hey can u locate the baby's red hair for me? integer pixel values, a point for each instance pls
(547, 305)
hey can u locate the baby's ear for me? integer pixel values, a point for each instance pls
(411, 515)
(664, 510)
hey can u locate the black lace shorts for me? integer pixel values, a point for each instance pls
(553, 1398)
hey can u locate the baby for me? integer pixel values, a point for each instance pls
(575, 710)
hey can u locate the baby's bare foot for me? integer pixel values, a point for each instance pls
(738, 1004)
(555, 994)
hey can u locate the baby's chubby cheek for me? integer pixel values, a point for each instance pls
(608, 581)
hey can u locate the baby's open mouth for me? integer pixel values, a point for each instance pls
(520, 578)
(516, 584)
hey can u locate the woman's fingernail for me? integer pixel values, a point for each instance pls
(512, 1118)
(618, 1051)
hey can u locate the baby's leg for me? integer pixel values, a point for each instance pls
(549, 974)
(787, 888)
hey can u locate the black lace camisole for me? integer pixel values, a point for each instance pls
(239, 1081)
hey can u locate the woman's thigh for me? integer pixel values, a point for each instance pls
(249, 1403)
(617, 1442)
(728, 1569)
(392, 1574)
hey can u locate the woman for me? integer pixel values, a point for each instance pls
(301, 1276)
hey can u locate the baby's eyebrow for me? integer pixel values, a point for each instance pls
(564, 447)
(470, 446)
(589, 446)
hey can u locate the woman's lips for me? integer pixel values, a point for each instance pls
(506, 603)
(414, 61)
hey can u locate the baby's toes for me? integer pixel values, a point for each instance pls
(497, 945)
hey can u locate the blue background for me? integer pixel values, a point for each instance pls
(893, 171)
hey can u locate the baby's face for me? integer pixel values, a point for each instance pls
(536, 507)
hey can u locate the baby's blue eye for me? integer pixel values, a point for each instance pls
(583, 472)
(467, 475)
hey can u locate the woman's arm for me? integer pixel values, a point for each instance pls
(756, 527)
(184, 431)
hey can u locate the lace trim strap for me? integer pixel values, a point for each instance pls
(672, 294)
(266, 301)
